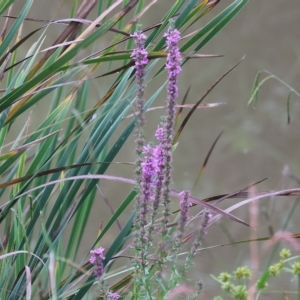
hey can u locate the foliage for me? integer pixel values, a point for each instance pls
(50, 175)
(286, 264)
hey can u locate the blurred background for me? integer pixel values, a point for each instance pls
(256, 143)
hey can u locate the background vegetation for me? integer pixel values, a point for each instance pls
(64, 113)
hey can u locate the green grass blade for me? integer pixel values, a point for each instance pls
(13, 31)
(108, 255)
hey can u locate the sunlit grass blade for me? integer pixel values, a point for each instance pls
(173, 10)
(256, 89)
(21, 106)
(214, 26)
(193, 13)
(23, 148)
(65, 58)
(16, 46)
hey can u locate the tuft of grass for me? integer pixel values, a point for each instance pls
(52, 171)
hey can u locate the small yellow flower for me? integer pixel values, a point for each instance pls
(227, 286)
(224, 277)
(296, 268)
(285, 253)
(242, 272)
(274, 270)
(240, 292)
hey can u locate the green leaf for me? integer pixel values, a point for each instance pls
(14, 29)
(254, 88)
(254, 94)
(214, 26)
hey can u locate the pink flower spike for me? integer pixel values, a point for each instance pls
(140, 57)
(113, 296)
(97, 260)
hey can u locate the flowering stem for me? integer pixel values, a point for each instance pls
(298, 287)
(158, 153)
(173, 68)
(140, 56)
(183, 217)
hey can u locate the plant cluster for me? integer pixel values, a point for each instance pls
(242, 276)
(52, 173)
(153, 180)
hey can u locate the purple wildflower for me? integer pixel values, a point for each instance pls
(173, 68)
(140, 56)
(97, 260)
(158, 153)
(173, 62)
(185, 205)
(113, 296)
(165, 134)
(149, 170)
(184, 209)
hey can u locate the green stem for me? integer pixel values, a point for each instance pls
(258, 294)
(298, 287)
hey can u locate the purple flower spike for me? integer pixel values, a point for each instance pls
(113, 296)
(97, 260)
(149, 169)
(165, 136)
(158, 154)
(173, 62)
(185, 205)
(140, 56)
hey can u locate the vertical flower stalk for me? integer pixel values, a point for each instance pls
(184, 209)
(140, 57)
(166, 133)
(185, 205)
(173, 68)
(149, 169)
(158, 153)
(97, 260)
